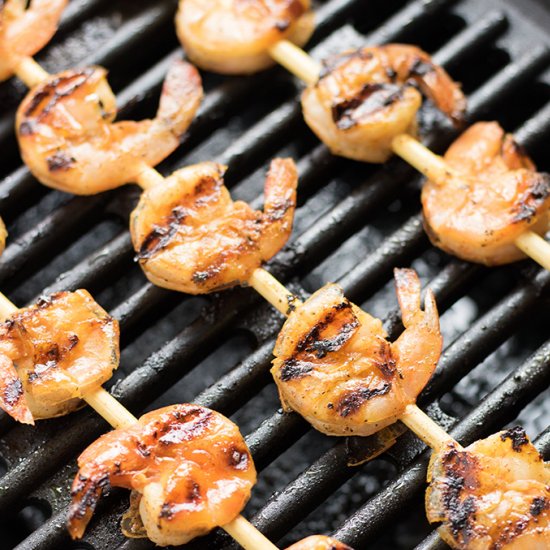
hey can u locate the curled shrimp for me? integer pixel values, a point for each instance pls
(233, 36)
(319, 542)
(335, 367)
(68, 138)
(493, 197)
(190, 466)
(366, 97)
(25, 28)
(494, 494)
(54, 352)
(190, 236)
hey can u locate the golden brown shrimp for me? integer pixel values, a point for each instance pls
(68, 138)
(190, 465)
(335, 367)
(493, 495)
(494, 198)
(366, 97)
(3, 236)
(319, 542)
(25, 28)
(54, 352)
(233, 36)
(190, 236)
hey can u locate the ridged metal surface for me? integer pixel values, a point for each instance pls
(342, 233)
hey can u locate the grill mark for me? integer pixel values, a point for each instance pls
(517, 436)
(532, 199)
(538, 506)
(238, 458)
(188, 429)
(13, 392)
(161, 235)
(370, 99)
(335, 62)
(352, 400)
(51, 90)
(91, 495)
(293, 369)
(60, 161)
(421, 68)
(387, 364)
(460, 469)
(27, 128)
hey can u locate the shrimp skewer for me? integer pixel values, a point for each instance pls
(24, 30)
(529, 190)
(119, 417)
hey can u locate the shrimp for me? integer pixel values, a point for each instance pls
(190, 465)
(335, 367)
(68, 138)
(366, 97)
(25, 28)
(493, 197)
(54, 352)
(190, 236)
(495, 494)
(319, 542)
(233, 36)
(3, 236)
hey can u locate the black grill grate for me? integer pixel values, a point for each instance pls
(217, 350)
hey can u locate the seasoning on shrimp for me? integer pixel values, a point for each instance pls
(366, 97)
(190, 236)
(233, 36)
(25, 28)
(68, 138)
(189, 464)
(494, 494)
(54, 352)
(335, 367)
(494, 196)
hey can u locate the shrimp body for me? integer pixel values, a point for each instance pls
(190, 236)
(3, 236)
(233, 36)
(54, 352)
(496, 196)
(190, 465)
(26, 30)
(319, 542)
(68, 138)
(366, 97)
(495, 494)
(335, 367)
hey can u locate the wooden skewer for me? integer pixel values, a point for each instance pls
(30, 72)
(433, 167)
(119, 417)
(295, 60)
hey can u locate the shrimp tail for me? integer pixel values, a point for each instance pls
(407, 286)
(280, 192)
(12, 395)
(181, 97)
(86, 492)
(431, 315)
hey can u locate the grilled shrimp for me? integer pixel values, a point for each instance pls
(54, 352)
(190, 465)
(190, 236)
(496, 196)
(3, 236)
(366, 97)
(335, 367)
(319, 542)
(68, 138)
(495, 494)
(25, 28)
(233, 36)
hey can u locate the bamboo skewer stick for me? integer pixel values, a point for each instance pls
(30, 72)
(433, 167)
(119, 417)
(295, 60)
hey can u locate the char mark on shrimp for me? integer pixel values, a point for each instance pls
(340, 316)
(372, 98)
(460, 475)
(60, 161)
(161, 235)
(195, 424)
(293, 369)
(517, 436)
(352, 400)
(532, 199)
(238, 458)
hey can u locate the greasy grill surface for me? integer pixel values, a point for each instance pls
(216, 350)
